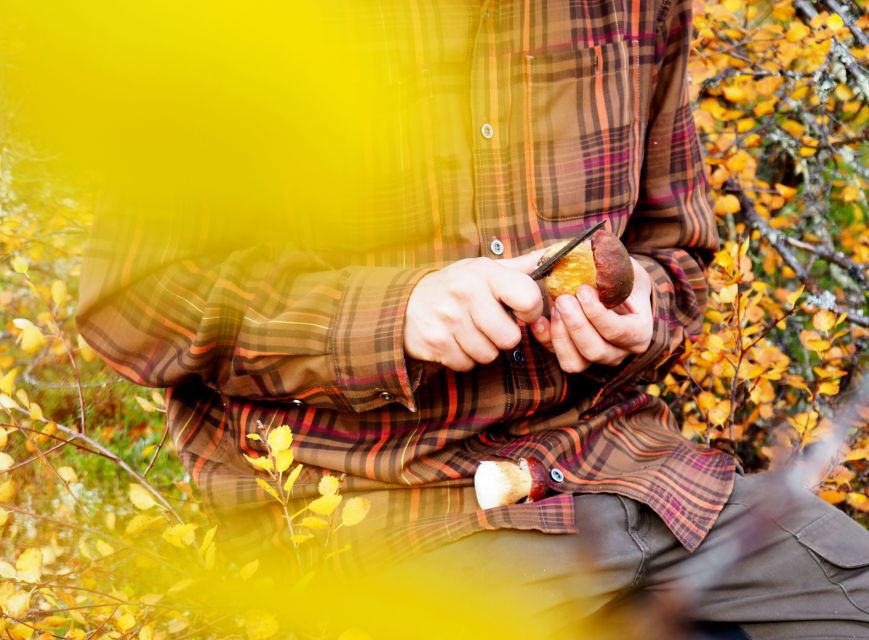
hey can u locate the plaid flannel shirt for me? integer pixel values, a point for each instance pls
(518, 124)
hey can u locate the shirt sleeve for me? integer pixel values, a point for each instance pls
(672, 231)
(260, 321)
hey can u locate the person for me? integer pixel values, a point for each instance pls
(395, 328)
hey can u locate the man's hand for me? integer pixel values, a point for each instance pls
(456, 315)
(581, 331)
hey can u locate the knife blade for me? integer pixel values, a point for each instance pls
(546, 266)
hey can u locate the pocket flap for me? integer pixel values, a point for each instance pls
(839, 540)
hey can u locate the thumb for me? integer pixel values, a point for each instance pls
(525, 263)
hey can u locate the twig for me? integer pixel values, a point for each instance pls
(157, 450)
(859, 36)
(76, 435)
(842, 52)
(856, 271)
(779, 241)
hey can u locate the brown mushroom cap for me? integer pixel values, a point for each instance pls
(615, 271)
(601, 262)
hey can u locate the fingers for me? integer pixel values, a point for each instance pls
(492, 319)
(569, 357)
(541, 329)
(519, 292)
(630, 326)
(525, 263)
(590, 344)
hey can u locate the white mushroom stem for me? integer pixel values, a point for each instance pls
(501, 482)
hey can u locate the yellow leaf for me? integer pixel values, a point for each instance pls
(145, 404)
(269, 489)
(794, 296)
(140, 522)
(254, 436)
(7, 382)
(291, 479)
(180, 585)
(283, 460)
(6, 461)
(260, 625)
(7, 490)
(260, 463)
(738, 161)
(36, 412)
(858, 501)
(59, 293)
(354, 511)
(786, 192)
(29, 565)
(180, 535)
(206, 540)
(141, 497)
(832, 496)
(146, 633)
(68, 474)
(280, 439)
(325, 505)
(247, 571)
(328, 486)
(829, 388)
(719, 414)
(30, 338)
(725, 204)
(818, 345)
(728, 294)
(7, 570)
(4, 517)
(794, 128)
(299, 538)
(765, 107)
(835, 23)
(797, 31)
(104, 548)
(734, 94)
(19, 264)
(807, 152)
(824, 320)
(85, 351)
(17, 605)
(314, 523)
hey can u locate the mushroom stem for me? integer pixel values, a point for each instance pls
(501, 482)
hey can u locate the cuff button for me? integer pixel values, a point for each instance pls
(386, 396)
(299, 404)
(556, 474)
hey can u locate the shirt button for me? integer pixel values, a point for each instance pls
(487, 131)
(297, 403)
(497, 247)
(556, 474)
(386, 396)
(519, 357)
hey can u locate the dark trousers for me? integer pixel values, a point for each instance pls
(779, 564)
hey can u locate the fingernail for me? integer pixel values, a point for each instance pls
(555, 314)
(586, 294)
(562, 304)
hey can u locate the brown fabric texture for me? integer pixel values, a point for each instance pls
(517, 122)
(780, 563)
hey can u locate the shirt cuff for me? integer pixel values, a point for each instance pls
(367, 340)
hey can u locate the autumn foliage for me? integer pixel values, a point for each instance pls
(102, 534)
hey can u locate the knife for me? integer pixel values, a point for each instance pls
(546, 266)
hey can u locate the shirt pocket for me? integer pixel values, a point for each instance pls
(579, 104)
